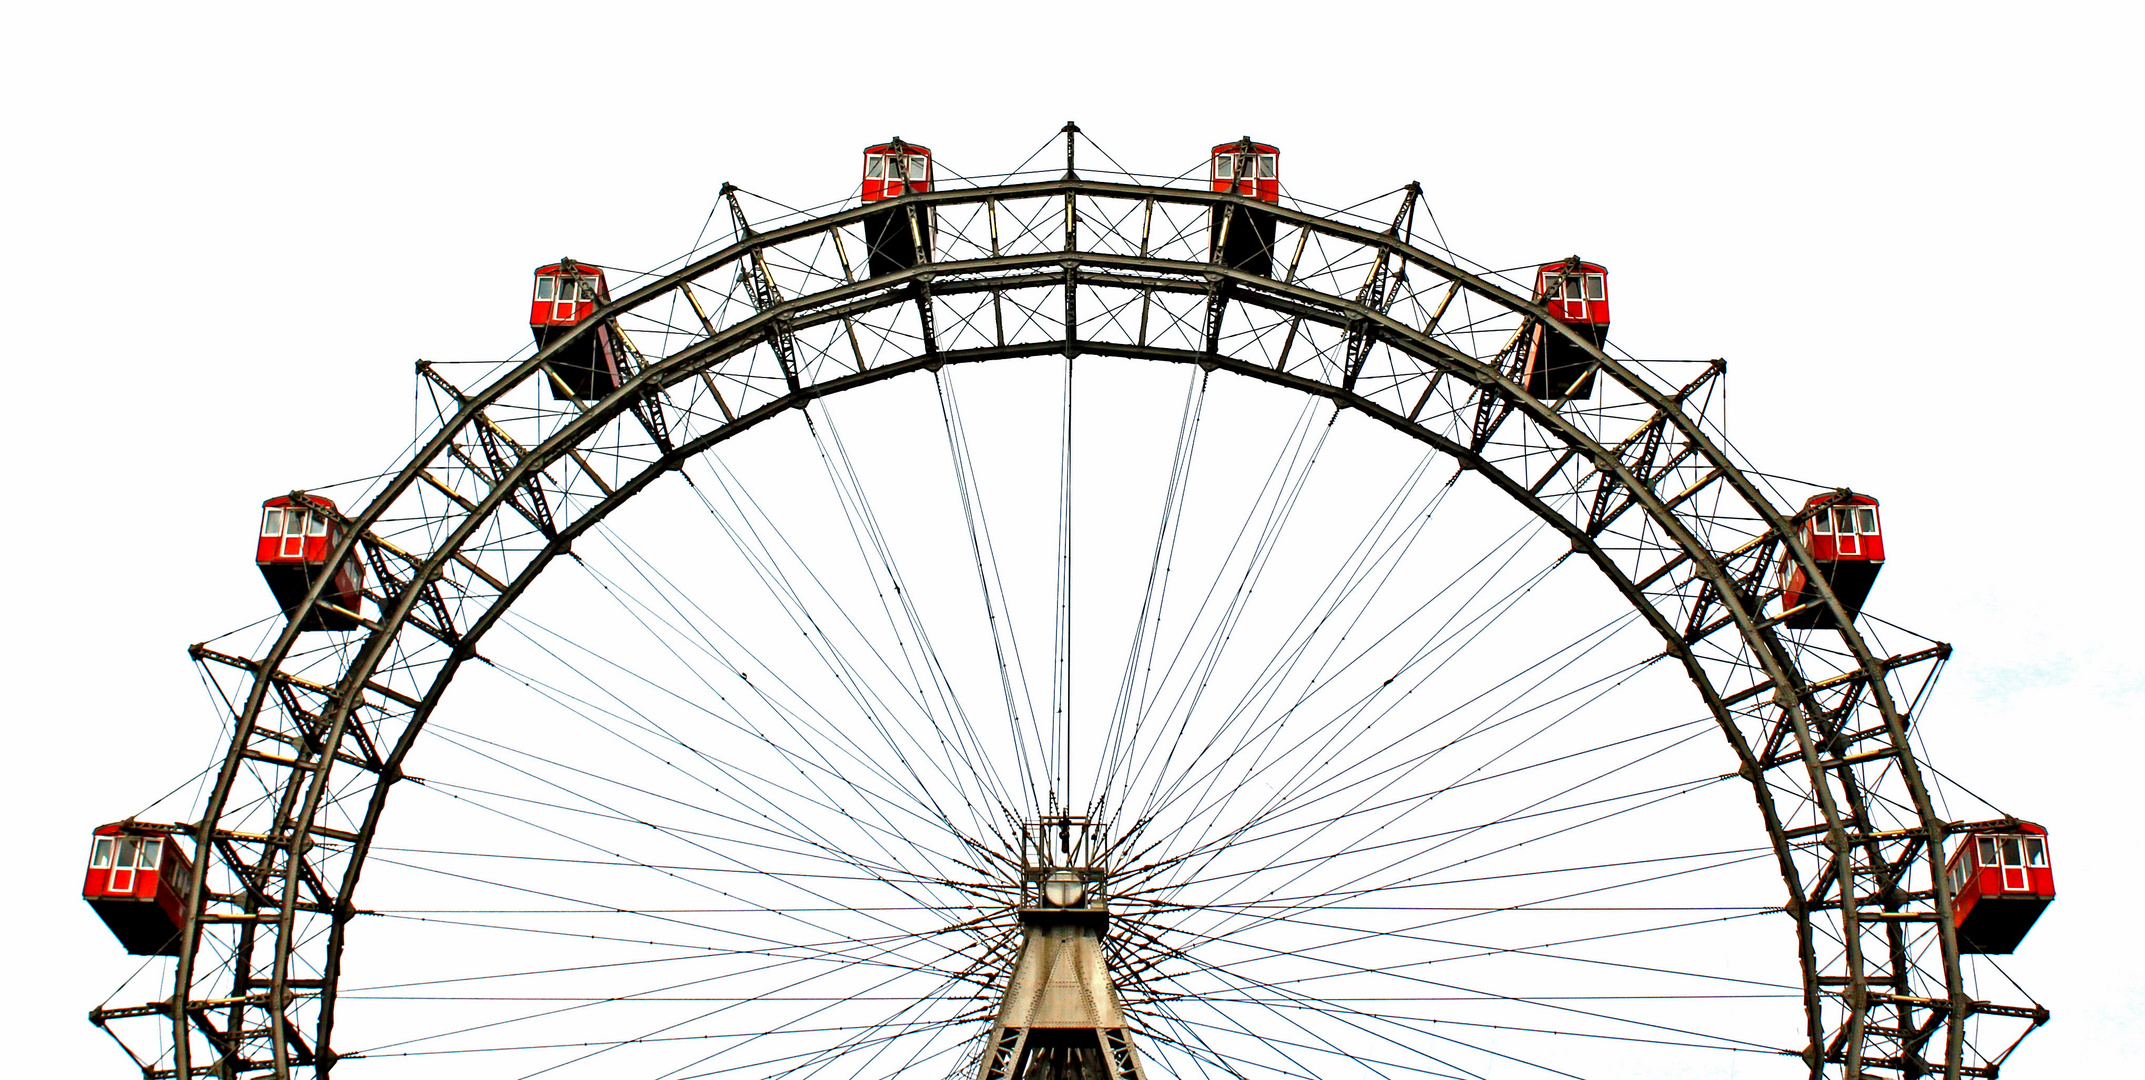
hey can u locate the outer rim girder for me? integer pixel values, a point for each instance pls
(352, 714)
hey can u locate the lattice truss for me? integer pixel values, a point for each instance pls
(1354, 308)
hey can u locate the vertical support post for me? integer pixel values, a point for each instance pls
(926, 316)
(1146, 295)
(990, 206)
(849, 276)
(1377, 292)
(765, 296)
(1072, 245)
(1303, 237)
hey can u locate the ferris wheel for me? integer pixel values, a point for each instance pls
(1062, 624)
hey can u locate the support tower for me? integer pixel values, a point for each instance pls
(1061, 1018)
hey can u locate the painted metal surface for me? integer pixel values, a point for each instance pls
(566, 292)
(895, 168)
(136, 882)
(1576, 294)
(299, 535)
(1246, 168)
(1843, 532)
(2002, 877)
(565, 295)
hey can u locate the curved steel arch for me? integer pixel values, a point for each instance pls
(504, 486)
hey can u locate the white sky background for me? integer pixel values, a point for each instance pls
(1912, 235)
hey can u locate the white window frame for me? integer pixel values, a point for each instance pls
(546, 287)
(100, 852)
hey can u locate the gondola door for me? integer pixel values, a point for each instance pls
(903, 173)
(1843, 531)
(566, 305)
(890, 170)
(122, 879)
(2011, 852)
(1251, 173)
(1574, 293)
(293, 533)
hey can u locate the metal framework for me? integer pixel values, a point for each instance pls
(1635, 480)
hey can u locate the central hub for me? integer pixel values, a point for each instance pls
(1064, 871)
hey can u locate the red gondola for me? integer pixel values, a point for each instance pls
(894, 239)
(567, 294)
(2001, 881)
(1848, 544)
(1248, 168)
(295, 540)
(895, 168)
(137, 884)
(1241, 237)
(1577, 295)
